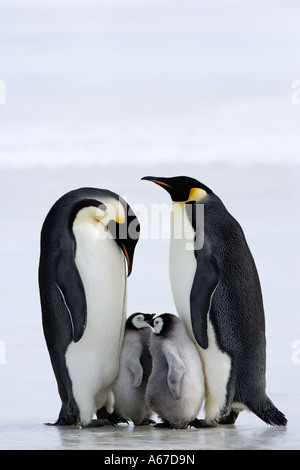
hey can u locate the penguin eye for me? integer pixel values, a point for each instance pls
(158, 324)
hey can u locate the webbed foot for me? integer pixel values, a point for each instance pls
(96, 423)
(147, 422)
(67, 421)
(201, 423)
(229, 418)
(163, 425)
(113, 417)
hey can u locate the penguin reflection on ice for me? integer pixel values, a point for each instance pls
(135, 367)
(217, 294)
(175, 389)
(86, 239)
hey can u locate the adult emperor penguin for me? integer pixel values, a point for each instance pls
(175, 389)
(135, 367)
(217, 293)
(86, 239)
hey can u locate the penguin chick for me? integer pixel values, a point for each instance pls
(175, 389)
(135, 367)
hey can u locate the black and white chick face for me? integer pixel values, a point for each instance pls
(138, 321)
(165, 324)
(158, 324)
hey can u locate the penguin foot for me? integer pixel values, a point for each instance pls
(96, 423)
(163, 425)
(68, 421)
(113, 417)
(230, 418)
(147, 422)
(201, 423)
(119, 419)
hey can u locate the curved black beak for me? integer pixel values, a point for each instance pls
(127, 236)
(129, 258)
(164, 182)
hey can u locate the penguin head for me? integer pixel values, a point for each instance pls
(138, 320)
(181, 188)
(164, 324)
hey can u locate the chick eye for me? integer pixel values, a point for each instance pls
(139, 318)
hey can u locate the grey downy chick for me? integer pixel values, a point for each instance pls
(175, 389)
(135, 367)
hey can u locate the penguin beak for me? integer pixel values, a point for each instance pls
(127, 236)
(128, 259)
(163, 183)
(150, 318)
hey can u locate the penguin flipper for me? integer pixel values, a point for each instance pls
(205, 282)
(69, 283)
(176, 369)
(134, 365)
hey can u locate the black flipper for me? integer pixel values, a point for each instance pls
(205, 282)
(70, 285)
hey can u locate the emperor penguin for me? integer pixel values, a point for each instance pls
(217, 293)
(175, 389)
(135, 367)
(87, 238)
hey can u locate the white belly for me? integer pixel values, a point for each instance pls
(182, 265)
(93, 361)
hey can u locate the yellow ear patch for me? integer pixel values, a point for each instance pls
(196, 194)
